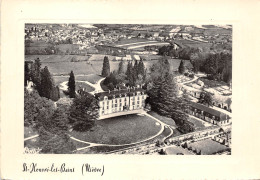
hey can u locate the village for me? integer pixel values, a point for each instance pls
(124, 70)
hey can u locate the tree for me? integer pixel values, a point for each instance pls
(55, 93)
(121, 68)
(141, 68)
(205, 98)
(71, 85)
(130, 74)
(46, 83)
(135, 71)
(181, 67)
(36, 74)
(36, 109)
(83, 112)
(26, 73)
(106, 67)
(55, 143)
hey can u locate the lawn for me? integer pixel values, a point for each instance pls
(120, 130)
(174, 150)
(164, 119)
(198, 124)
(208, 146)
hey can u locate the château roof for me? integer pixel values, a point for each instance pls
(118, 92)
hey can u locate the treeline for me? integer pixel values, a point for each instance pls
(42, 80)
(163, 96)
(53, 124)
(135, 74)
(218, 66)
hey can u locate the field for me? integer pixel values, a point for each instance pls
(120, 130)
(194, 44)
(68, 47)
(57, 58)
(62, 65)
(208, 146)
(137, 43)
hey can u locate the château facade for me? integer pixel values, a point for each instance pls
(121, 102)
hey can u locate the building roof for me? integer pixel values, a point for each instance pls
(117, 93)
(211, 111)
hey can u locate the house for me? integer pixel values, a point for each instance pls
(208, 114)
(120, 102)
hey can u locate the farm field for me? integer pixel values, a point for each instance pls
(208, 146)
(128, 41)
(56, 58)
(120, 130)
(85, 68)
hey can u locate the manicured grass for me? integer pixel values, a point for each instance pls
(174, 150)
(208, 146)
(198, 124)
(120, 130)
(28, 132)
(164, 119)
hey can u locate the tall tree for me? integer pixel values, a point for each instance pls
(141, 68)
(55, 93)
(26, 73)
(83, 112)
(71, 85)
(36, 74)
(130, 74)
(135, 71)
(181, 68)
(121, 68)
(46, 83)
(106, 67)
